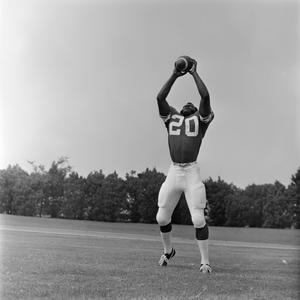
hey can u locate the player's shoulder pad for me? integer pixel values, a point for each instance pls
(208, 118)
(172, 112)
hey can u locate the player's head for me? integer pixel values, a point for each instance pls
(188, 109)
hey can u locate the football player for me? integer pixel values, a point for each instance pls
(186, 130)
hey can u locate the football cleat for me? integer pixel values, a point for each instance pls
(166, 257)
(205, 268)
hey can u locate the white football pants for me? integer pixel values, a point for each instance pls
(180, 179)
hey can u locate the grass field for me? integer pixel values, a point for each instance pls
(66, 259)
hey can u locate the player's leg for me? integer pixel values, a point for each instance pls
(202, 235)
(168, 198)
(167, 201)
(196, 200)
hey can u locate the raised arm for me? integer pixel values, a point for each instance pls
(163, 105)
(204, 107)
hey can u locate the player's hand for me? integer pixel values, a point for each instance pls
(194, 67)
(178, 73)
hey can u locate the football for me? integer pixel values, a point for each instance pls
(183, 63)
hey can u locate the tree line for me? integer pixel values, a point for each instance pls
(60, 192)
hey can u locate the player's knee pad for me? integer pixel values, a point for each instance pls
(166, 228)
(162, 217)
(202, 233)
(198, 218)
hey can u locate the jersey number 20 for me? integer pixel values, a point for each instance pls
(177, 121)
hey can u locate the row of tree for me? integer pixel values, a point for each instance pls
(61, 192)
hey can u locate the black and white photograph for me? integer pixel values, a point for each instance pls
(150, 149)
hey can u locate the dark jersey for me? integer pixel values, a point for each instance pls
(185, 134)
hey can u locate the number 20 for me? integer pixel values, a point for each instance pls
(174, 125)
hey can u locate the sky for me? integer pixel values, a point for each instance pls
(79, 78)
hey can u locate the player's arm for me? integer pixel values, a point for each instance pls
(204, 108)
(163, 105)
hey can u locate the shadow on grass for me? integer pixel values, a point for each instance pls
(182, 267)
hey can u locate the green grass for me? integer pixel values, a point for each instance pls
(123, 265)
